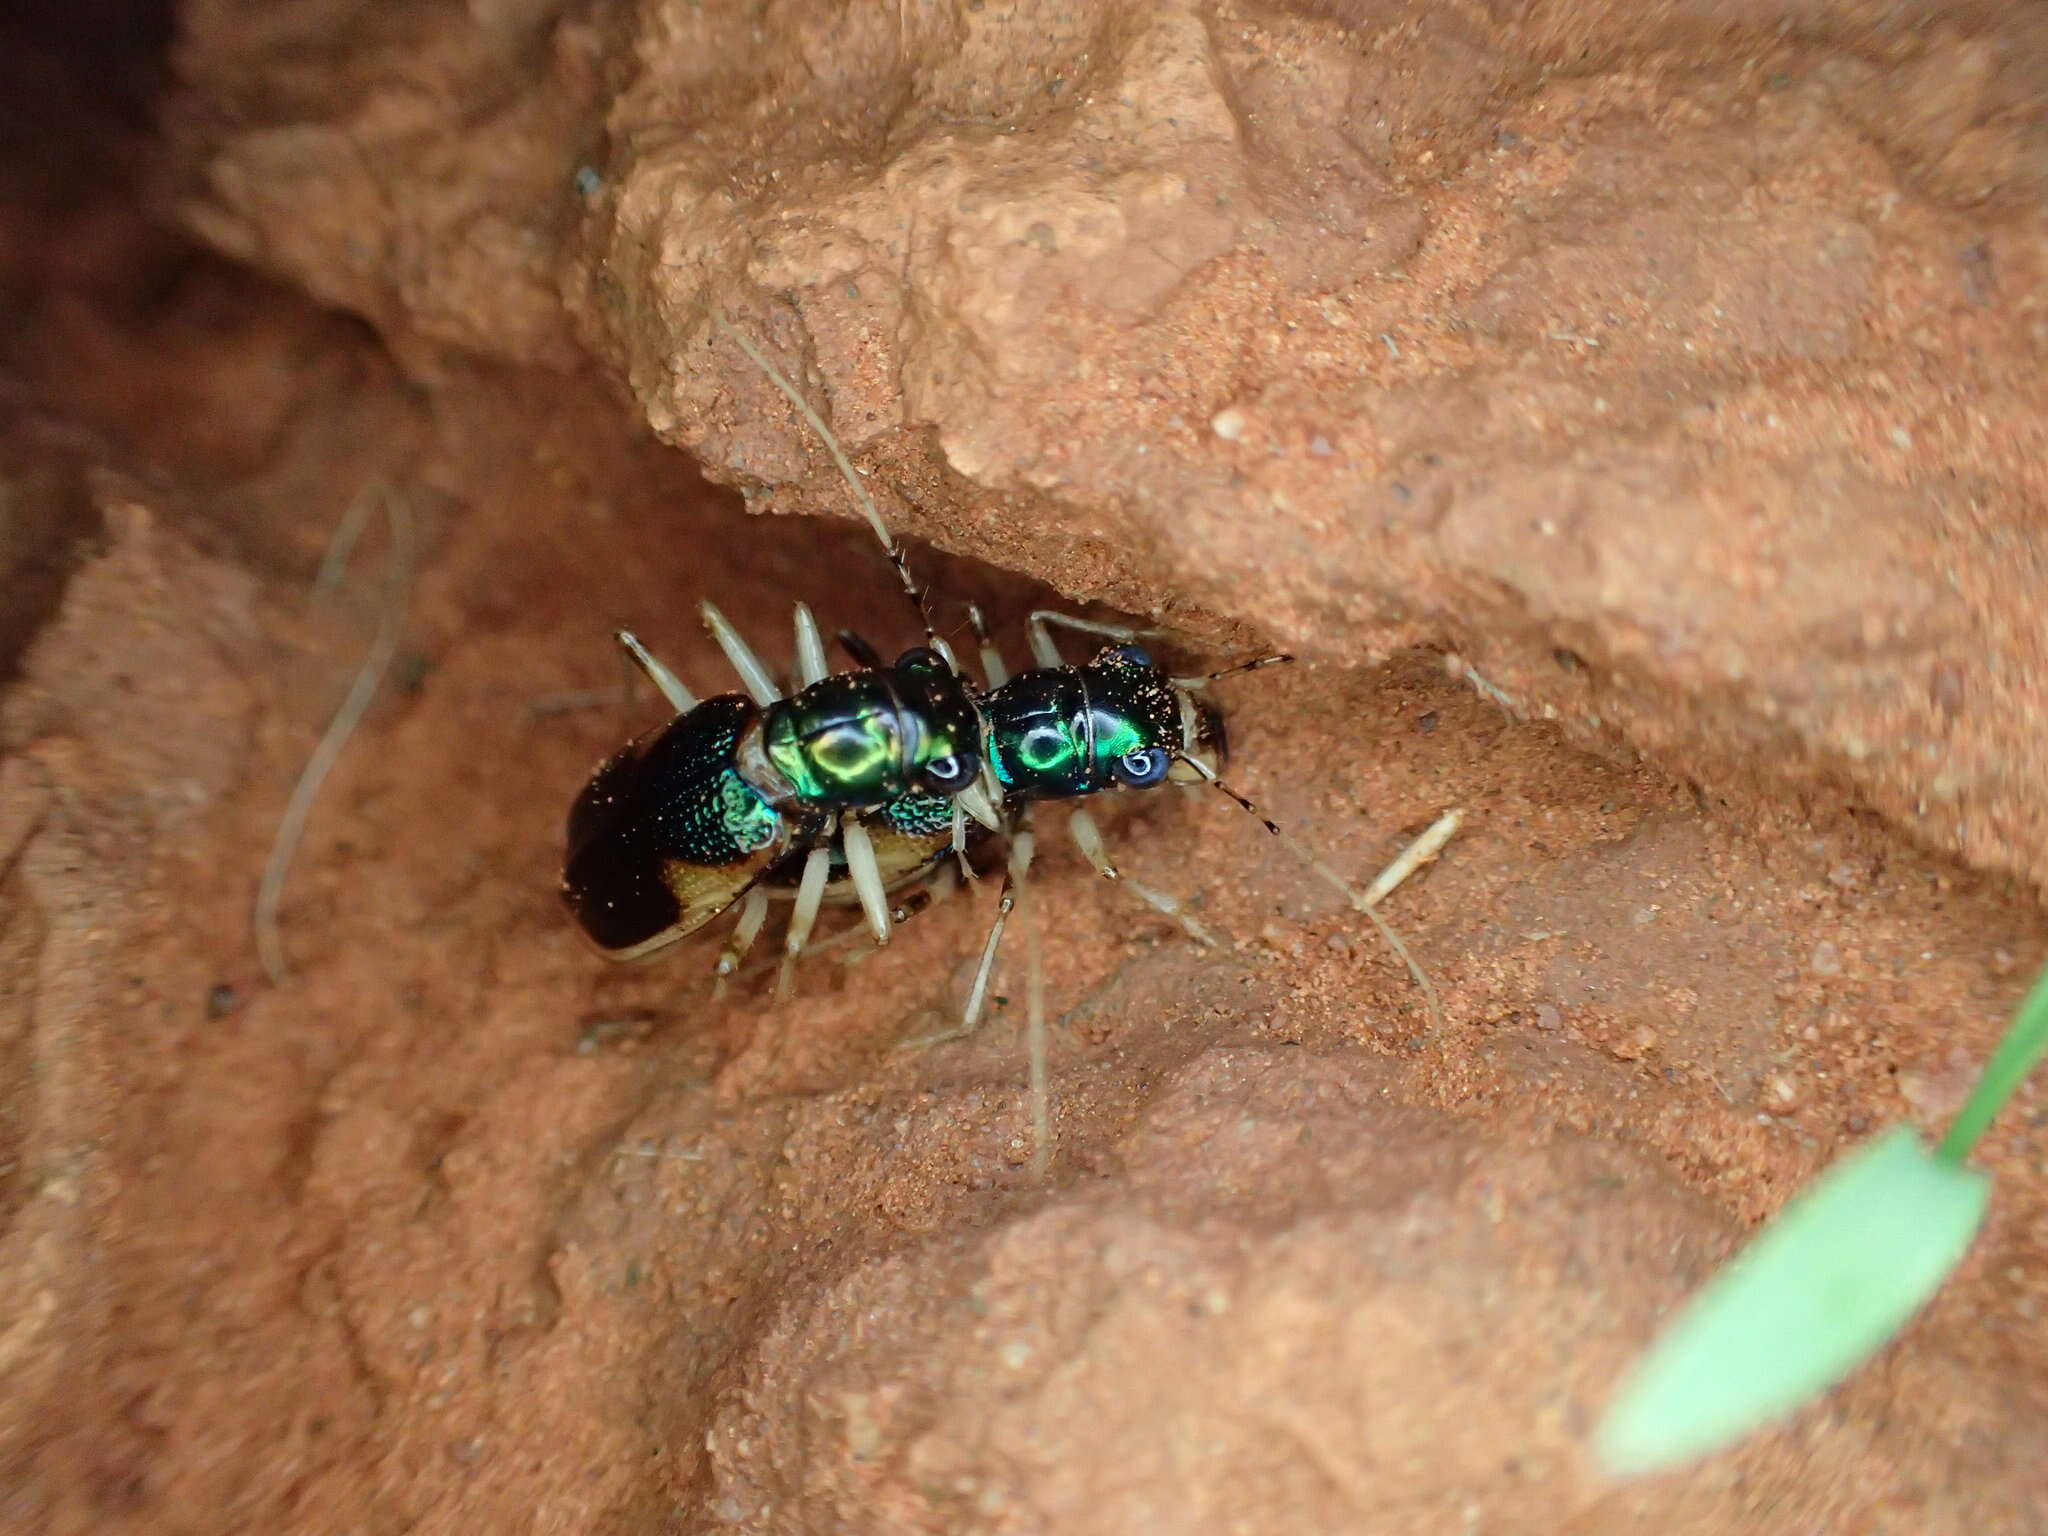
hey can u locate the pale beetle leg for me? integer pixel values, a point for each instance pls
(752, 672)
(810, 649)
(866, 874)
(753, 913)
(810, 895)
(1088, 838)
(671, 687)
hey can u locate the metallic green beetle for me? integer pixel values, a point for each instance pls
(851, 778)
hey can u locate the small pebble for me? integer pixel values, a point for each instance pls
(1826, 959)
(1980, 282)
(1228, 424)
(1782, 1093)
(1937, 1089)
(1945, 688)
(1281, 938)
(1636, 1044)
(1548, 1016)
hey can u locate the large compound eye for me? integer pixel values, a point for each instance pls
(1129, 656)
(1140, 770)
(922, 658)
(954, 771)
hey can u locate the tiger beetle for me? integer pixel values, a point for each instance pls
(861, 778)
(1070, 733)
(866, 779)
(1119, 722)
(861, 768)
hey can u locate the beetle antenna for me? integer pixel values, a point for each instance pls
(860, 491)
(1257, 662)
(1360, 901)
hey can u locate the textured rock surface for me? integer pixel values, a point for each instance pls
(1675, 364)
(462, 1230)
(1299, 1306)
(1703, 341)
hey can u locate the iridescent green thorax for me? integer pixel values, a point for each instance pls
(1063, 732)
(839, 742)
(860, 740)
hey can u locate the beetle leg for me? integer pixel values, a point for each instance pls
(1088, 838)
(1021, 848)
(810, 649)
(756, 676)
(810, 895)
(671, 687)
(866, 875)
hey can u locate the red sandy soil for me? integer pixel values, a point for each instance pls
(460, 1229)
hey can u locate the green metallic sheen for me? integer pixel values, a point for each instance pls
(746, 820)
(676, 827)
(917, 815)
(671, 797)
(1054, 732)
(1054, 748)
(844, 750)
(858, 740)
(1117, 735)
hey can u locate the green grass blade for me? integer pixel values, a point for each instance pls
(1820, 1289)
(2024, 1041)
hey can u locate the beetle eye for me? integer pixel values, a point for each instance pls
(950, 772)
(922, 658)
(1130, 656)
(1142, 769)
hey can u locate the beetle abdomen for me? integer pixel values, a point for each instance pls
(666, 834)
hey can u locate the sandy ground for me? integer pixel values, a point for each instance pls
(460, 1229)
